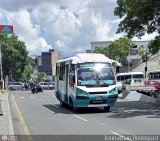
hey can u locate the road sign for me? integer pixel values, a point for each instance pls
(6, 29)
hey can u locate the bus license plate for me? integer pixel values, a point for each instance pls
(98, 98)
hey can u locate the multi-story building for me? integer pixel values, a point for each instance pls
(95, 44)
(47, 62)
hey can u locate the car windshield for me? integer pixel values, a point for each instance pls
(99, 75)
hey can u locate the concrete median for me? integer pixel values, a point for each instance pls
(135, 96)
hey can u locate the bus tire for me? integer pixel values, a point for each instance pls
(62, 104)
(107, 108)
(75, 109)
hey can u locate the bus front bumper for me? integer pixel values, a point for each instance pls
(95, 100)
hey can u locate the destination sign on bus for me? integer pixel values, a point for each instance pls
(90, 65)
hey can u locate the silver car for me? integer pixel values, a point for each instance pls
(47, 86)
(15, 86)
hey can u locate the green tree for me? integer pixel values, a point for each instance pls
(99, 50)
(118, 50)
(41, 76)
(142, 52)
(138, 16)
(26, 76)
(31, 62)
(154, 45)
(14, 56)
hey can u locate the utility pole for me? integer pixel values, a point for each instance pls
(129, 45)
(1, 77)
(146, 64)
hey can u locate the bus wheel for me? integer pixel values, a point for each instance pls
(75, 109)
(62, 104)
(107, 108)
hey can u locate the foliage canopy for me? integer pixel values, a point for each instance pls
(138, 16)
(117, 50)
(14, 56)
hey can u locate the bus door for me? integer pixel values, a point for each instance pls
(57, 78)
(66, 81)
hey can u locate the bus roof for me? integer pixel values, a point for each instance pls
(88, 57)
(129, 73)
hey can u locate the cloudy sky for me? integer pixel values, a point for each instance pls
(68, 26)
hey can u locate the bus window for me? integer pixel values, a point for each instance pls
(127, 77)
(138, 76)
(62, 71)
(95, 77)
(72, 76)
(118, 78)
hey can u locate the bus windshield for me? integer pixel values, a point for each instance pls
(98, 75)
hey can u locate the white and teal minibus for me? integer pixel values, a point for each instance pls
(86, 80)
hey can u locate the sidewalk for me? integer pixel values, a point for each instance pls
(6, 126)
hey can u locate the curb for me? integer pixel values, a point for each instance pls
(1, 112)
(10, 124)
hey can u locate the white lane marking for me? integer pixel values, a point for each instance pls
(70, 113)
(44, 96)
(21, 97)
(120, 135)
(79, 117)
(32, 97)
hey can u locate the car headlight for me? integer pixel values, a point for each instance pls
(114, 91)
(81, 92)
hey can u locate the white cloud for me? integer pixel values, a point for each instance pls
(147, 37)
(67, 26)
(27, 31)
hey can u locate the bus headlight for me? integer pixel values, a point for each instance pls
(81, 92)
(114, 91)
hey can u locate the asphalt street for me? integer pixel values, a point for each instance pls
(41, 114)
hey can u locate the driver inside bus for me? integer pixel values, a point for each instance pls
(81, 76)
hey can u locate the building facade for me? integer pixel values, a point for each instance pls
(47, 62)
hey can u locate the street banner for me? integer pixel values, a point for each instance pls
(6, 29)
(134, 51)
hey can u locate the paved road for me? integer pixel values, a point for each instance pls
(42, 115)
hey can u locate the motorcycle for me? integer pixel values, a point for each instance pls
(39, 89)
(34, 90)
